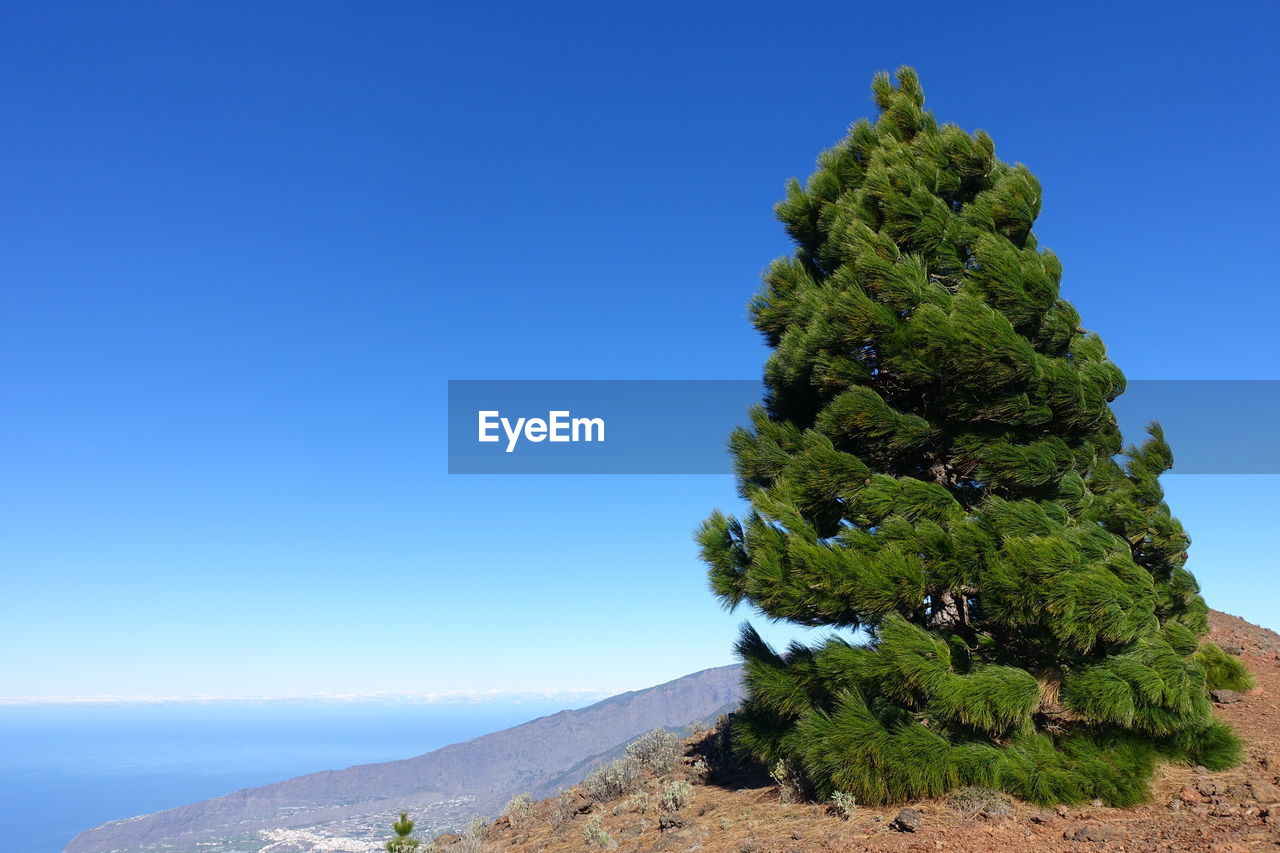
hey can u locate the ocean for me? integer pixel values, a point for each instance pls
(66, 768)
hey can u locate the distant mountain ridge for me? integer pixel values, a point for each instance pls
(446, 785)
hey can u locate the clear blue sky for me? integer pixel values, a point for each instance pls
(244, 245)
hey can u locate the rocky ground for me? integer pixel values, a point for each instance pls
(1191, 809)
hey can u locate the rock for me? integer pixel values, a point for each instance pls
(1062, 811)
(908, 820)
(997, 808)
(797, 835)
(1095, 832)
(1232, 648)
(675, 840)
(1264, 792)
(1240, 791)
(1207, 787)
(670, 821)
(1043, 817)
(1201, 770)
(1226, 697)
(1189, 795)
(632, 828)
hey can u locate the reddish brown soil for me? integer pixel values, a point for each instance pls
(1227, 812)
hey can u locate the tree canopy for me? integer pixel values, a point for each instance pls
(936, 464)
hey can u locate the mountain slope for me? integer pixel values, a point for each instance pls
(445, 786)
(1190, 809)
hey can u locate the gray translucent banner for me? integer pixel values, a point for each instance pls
(631, 426)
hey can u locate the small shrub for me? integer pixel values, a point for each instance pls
(595, 835)
(790, 782)
(477, 830)
(658, 750)
(561, 810)
(675, 796)
(518, 809)
(639, 802)
(470, 844)
(975, 800)
(403, 842)
(844, 804)
(613, 780)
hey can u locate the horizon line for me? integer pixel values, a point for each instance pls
(440, 697)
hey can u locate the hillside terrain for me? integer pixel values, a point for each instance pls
(729, 809)
(350, 809)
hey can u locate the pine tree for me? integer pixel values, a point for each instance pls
(402, 843)
(935, 464)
